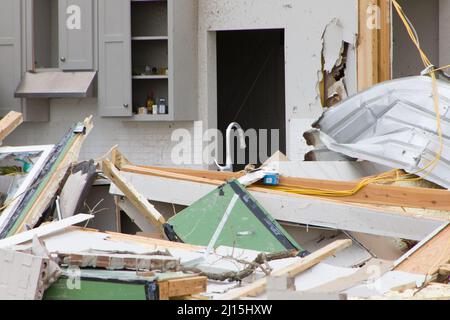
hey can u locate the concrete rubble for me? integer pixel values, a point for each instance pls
(336, 230)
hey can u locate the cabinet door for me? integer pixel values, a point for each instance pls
(10, 55)
(114, 74)
(183, 58)
(76, 34)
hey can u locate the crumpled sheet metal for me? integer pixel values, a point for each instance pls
(393, 124)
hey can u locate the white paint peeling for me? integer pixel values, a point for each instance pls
(333, 45)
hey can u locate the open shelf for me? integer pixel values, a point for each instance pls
(149, 118)
(151, 77)
(150, 38)
(149, 19)
(150, 48)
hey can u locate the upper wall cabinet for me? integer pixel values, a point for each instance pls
(76, 34)
(147, 57)
(10, 55)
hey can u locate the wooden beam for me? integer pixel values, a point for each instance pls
(294, 208)
(377, 194)
(258, 287)
(385, 41)
(9, 123)
(430, 256)
(178, 288)
(374, 43)
(152, 243)
(169, 174)
(120, 261)
(118, 159)
(367, 51)
(141, 203)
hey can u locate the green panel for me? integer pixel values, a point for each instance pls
(96, 290)
(243, 229)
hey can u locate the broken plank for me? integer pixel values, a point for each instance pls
(44, 230)
(378, 194)
(121, 261)
(141, 203)
(151, 242)
(367, 49)
(296, 208)
(182, 287)
(9, 123)
(428, 256)
(258, 287)
(169, 174)
(46, 191)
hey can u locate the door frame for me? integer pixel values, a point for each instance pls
(374, 52)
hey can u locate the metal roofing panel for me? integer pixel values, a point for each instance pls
(393, 124)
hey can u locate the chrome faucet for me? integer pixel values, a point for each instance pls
(229, 162)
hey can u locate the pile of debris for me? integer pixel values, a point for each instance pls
(364, 228)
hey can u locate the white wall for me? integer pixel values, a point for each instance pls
(304, 23)
(149, 143)
(142, 143)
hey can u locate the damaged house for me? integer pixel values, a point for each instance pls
(337, 190)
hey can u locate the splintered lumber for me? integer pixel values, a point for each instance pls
(9, 123)
(141, 203)
(152, 242)
(44, 230)
(294, 208)
(156, 261)
(258, 287)
(178, 288)
(376, 194)
(36, 201)
(429, 255)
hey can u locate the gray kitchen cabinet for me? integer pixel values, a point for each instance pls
(76, 34)
(114, 72)
(183, 58)
(10, 55)
(148, 49)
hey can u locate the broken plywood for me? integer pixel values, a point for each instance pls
(9, 123)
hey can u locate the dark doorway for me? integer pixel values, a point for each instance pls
(251, 83)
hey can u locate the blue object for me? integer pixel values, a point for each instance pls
(272, 179)
(26, 166)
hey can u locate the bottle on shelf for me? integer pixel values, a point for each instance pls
(150, 101)
(162, 106)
